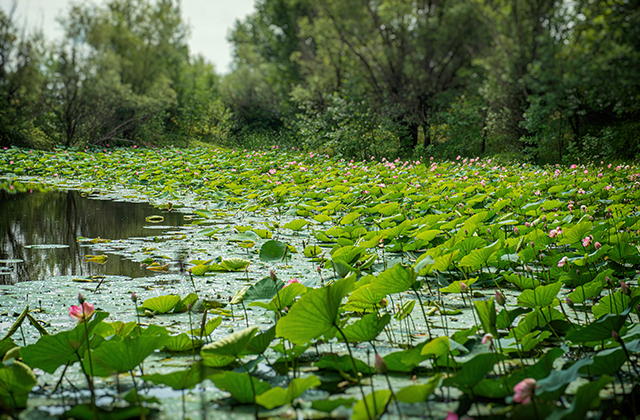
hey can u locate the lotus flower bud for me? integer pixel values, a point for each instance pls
(463, 287)
(80, 298)
(134, 297)
(500, 299)
(616, 336)
(524, 391)
(273, 276)
(625, 288)
(381, 365)
(569, 302)
(597, 245)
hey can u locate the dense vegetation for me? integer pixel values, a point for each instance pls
(546, 80)
(322, 285)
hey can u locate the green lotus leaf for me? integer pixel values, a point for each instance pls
(598, 330)
(576, 234)
(486, 310)
(418, 393)
(586, 398)
(181, 343)
(239, 385)
(330, 404)
(264, 289)
(315, 312)
(541, 296)
(261, 341)
(284, 298)
(234, 264)
(296, 225)
(367, 328)
(123, 354)
(456, 287)
(182, 379)
(185, 303)
(278, 396)
(16, 382)
(53, 351)
(473, 371)
(350, 218)
(376, 404)
(161, 304)
(479, 257)
(208, 329)
(396, 279)
(273, 251)
(437, 347)
(231, 345)
(312, 251)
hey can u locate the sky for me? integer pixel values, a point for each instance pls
(210, 21)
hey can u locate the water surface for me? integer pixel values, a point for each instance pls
(39, 232)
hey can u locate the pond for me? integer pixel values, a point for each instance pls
(41, 234)
(474, 283)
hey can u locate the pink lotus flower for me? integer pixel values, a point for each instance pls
(452, 416)
(587, 241)
(562, 262)
(488, 338)
(83, 312)
(553, 233)
(291, 282)
(597, 245)
(523, 391)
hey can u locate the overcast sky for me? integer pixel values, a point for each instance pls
(210, 21)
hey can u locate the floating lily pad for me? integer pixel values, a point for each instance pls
(46, 246)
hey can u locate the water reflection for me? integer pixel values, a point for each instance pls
(61, 217)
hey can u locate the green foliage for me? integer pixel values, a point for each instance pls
(315, 312)
(421, 233)
(16, 382)
(53, 351)
(278, 396)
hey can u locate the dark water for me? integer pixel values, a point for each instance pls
(61, 217)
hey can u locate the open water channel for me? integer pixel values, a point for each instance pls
(41, 234)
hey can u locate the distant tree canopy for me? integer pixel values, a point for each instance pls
(548, 80)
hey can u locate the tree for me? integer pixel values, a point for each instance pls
(20, 82)
(397, 56)
(584, 86)
(114, 76)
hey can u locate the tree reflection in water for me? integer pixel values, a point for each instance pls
(61, 217)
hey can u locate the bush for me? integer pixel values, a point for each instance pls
(347, 128)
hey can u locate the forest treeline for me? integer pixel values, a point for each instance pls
(545, 80)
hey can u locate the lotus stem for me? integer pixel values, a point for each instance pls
(355, 369)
